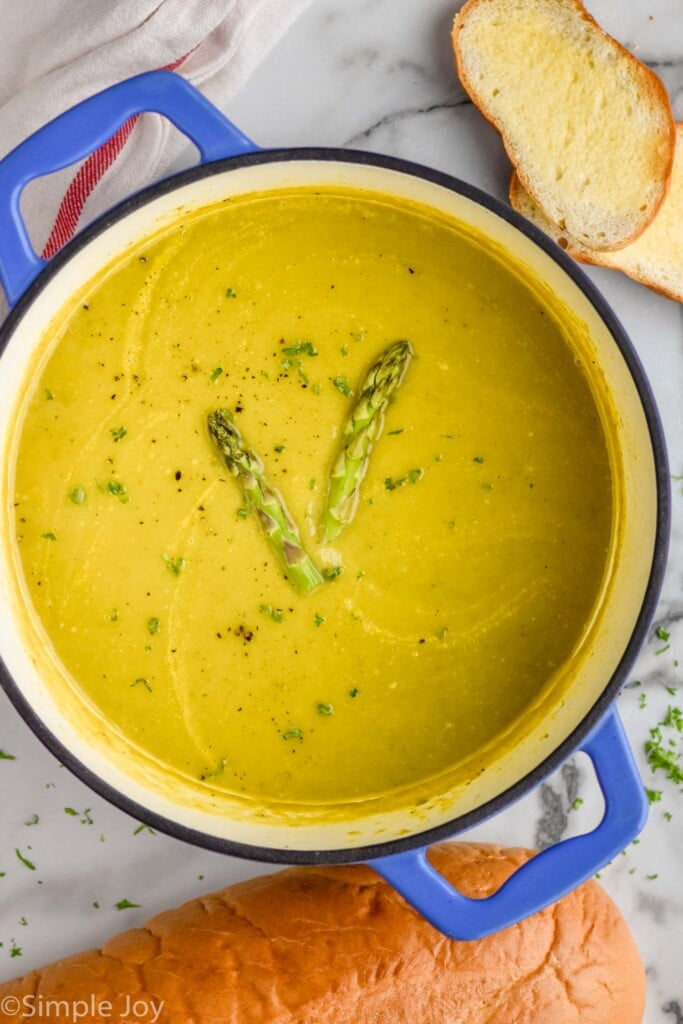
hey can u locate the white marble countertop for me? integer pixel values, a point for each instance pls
(378, 75)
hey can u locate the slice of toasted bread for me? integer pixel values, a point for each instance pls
(655, 258)
(588, 128)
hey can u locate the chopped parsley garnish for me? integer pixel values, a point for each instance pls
(25, 861)
(280, 448)
(153, 626)
(661, 633)
(319, 619)
(478, 458)
(242, 512)
(141, 681)
(231, 293)
(144, 828)
(174, 563)
(49, 536)
(354, 692)
(342, 384)
(125, 905)
(653, 795)
(118, 433)
(14, 949)
(311, 484)
(113, 615)
(49, 396)
(577, 803)
(663, 758)
(32, 821)
(293, 362)
(301, 348)
(293, 734)
(216, 374)
(393, 432)
(325, 709)
(332, 573)
(674, 718)
(273, 613)
(6, 757)
(218, 770)
(116, 488)
(392, 484)
(415, 475)
(77, 495)
(83, 815)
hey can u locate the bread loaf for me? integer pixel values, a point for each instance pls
(655, 258)
(588, 127)
(338, 945)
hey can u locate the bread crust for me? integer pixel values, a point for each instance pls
(654, 259)
(337, 945)
(654, 94)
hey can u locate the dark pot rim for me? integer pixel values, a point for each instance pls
(612, 687)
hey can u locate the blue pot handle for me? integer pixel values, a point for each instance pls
(80, 131)
(551, 873)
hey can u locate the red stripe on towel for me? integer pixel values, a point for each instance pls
(87, 177)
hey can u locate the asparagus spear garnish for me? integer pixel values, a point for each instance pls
(361, 431)
(267, 503)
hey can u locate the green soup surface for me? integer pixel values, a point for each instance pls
(466, 584)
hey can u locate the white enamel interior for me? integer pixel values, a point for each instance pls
(24, 649)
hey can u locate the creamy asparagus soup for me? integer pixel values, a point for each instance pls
(314, 497)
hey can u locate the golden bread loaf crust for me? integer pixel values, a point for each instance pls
(588, 127)
(655, 258)
(337, 945)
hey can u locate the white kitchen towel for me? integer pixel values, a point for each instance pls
(54, 53)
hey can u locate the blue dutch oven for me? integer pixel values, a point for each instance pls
(396, 847)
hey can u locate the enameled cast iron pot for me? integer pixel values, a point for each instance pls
(396, 847)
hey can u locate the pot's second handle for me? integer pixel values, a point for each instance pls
(81, 130)
(551, 873)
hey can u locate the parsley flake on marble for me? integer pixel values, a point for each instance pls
(125, 905)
